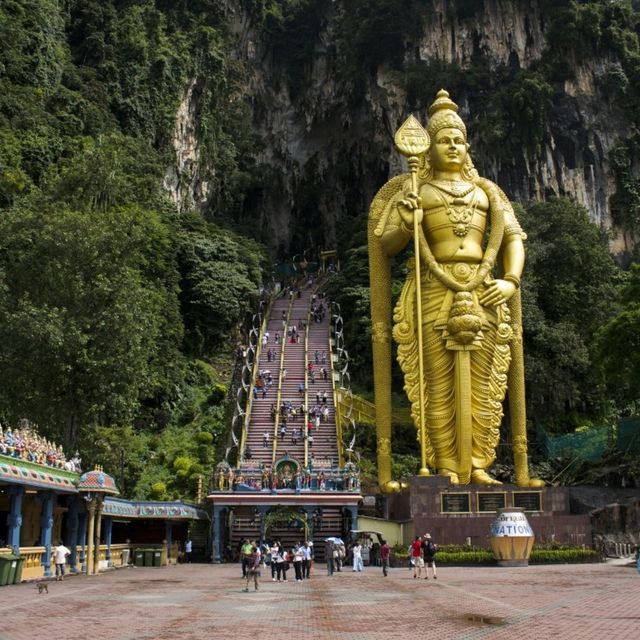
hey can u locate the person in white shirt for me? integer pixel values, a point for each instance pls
(357, 557)
(60, 552)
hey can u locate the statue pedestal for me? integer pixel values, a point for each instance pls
(463, 514)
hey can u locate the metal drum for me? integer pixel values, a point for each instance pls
(511, 538)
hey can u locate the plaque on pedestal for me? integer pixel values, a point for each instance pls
(528, 500)
(455, 503)
(491, 502)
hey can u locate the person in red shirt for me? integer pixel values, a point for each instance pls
(416, 557)
(385, 553)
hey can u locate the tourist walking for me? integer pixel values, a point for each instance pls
(416, 557)
(429, 550)
(298, 557)
(188, 548)
(245, 553)
(253, 568)
(60, 552)
(385, 553)
(357, 557)
(306, 561)
(275, 560)
(328, 554)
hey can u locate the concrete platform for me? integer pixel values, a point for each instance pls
(194, 602)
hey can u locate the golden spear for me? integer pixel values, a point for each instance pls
(411, 140)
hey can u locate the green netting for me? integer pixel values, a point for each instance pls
(629, 435)
(589, 445)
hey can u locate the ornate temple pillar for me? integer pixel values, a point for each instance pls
(262, 511)
(353, 511)
(168, 534)
(72, 532)
(82, 541)
(308, 511)
(108, 528)
(91, 520)
(94, 486)
(14, 520)
(96, 564)
(46, 528)
(217, 532)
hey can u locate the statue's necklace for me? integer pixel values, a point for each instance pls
(458, 211)
(454, 188)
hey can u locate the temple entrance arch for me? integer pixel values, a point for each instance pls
(286, 524)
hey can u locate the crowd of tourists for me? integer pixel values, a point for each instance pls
(279, 560)
(255, 558)
(25, 444)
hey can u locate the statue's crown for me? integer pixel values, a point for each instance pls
(443, 114)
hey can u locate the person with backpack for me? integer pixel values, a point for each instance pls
(429, 550)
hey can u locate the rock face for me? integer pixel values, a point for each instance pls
(327, 135)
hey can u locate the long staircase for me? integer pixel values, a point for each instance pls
(295, 352)
(298, 364)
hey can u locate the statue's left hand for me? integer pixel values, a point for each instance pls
(497, 292)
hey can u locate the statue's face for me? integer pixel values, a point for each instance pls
(448, 150)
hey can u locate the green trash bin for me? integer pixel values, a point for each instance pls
(148, 557)
(13, 565)
(139, 558)
(5, 568)
(157, 557)
(20, 562)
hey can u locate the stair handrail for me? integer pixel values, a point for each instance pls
(274, 446)
(306, 386)
(249, 405)
(342, 355)
(242, 393)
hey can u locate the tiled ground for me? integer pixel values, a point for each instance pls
(196, 602)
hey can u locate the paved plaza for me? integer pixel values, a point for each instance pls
(194, 602)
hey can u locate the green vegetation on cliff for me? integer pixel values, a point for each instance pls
(119, 307)
(107, 294)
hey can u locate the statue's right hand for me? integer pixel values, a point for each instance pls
(409, 207)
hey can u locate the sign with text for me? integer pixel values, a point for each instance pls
(455, 503)
(491, 502)
(528, 500)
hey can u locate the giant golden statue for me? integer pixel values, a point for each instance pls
(457, 327)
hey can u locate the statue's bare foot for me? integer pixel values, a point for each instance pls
(452, 475)
(536, 483)
(480, 476)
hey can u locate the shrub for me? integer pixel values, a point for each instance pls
(204, 437)
(158, 490)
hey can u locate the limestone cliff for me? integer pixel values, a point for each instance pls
(326, 117)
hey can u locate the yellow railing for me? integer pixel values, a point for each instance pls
(121, 555)
(364, 411)
(32, 563)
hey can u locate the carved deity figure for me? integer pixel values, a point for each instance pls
(457, 325)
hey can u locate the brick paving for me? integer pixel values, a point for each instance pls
(196, 602)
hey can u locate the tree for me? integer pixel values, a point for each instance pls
(569, 289)
(219, 274)
(89, 322)
(619, 346)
